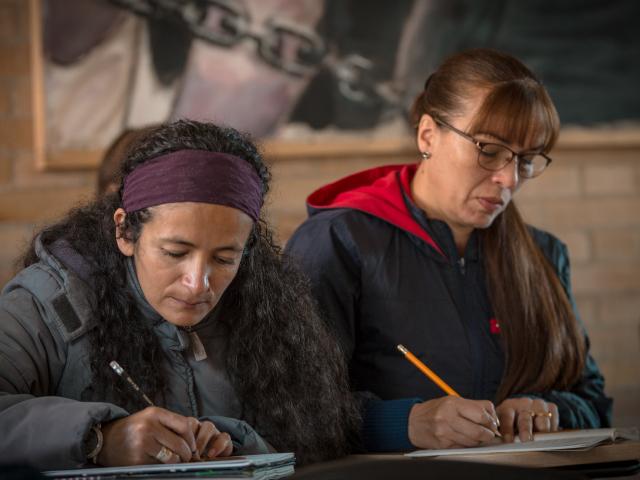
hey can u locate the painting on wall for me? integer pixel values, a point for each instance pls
(298, 70)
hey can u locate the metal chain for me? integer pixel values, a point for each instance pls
(283, 44)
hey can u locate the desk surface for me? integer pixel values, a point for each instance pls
(615, 452)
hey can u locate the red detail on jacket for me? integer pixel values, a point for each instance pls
(377, 191)
(494, 326)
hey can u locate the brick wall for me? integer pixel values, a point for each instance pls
(594, 206)
(28, 198)
(590, 198)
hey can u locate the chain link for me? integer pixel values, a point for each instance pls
(281, 43)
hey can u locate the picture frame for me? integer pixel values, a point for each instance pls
(330, 143)
(51, 157)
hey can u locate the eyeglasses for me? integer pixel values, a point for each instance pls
(495, 156)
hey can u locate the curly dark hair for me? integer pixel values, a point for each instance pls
(286, 368)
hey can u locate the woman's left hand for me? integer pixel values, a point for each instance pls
(211, 443)
(525, 416)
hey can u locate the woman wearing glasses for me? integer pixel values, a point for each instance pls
(435, 256)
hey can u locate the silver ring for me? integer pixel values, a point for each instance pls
(164, 455)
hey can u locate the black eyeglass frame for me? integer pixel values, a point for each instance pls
(481, 145)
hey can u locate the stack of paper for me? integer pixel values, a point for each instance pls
(265, 467)
(542, 442)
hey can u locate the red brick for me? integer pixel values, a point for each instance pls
(14, 60)
(606, 278)
(556, 182)
(627, 399)
(14, 238)
(620, 373)
(16, 133)
(41, 204)
(331, 168)
(616, 244)
(29, 175)
(579, 245)
(617, 179)
(291, 197)
(6, 274)
(615, 347)
(582, 213)
(620, 311)
(6, 169)
(285, 225)
(588, 310)
(6, 99)
(10, 21)
(21, 97)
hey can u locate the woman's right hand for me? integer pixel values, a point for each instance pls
(152, 435)
(452, 422)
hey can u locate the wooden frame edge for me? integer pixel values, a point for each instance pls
(37, 85)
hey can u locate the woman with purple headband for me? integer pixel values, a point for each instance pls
(176, 278)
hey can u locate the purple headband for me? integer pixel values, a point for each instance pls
(194, 176)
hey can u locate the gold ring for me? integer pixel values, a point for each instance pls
(164, 455)
(543, 414)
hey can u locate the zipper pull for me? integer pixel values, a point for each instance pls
(197, 348)
(461, 265)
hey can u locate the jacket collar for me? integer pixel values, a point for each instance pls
(379, 192)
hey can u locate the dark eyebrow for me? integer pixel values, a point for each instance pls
(176, 240)
(180, 241)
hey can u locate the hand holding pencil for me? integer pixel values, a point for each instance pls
(450, 421)
(155, 434)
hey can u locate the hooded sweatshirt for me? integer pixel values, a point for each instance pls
(385, 274)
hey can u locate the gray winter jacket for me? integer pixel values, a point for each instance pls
(45, 314)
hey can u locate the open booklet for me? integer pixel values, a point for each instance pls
(266, 466)
(543, 442)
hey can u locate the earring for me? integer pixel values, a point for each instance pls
(425, 155)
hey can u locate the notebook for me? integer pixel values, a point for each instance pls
(266, 466)
(543, 442)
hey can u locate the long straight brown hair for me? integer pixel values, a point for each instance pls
(544, 346)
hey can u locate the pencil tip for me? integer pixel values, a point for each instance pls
(402, 348)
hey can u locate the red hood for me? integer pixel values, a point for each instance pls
(378, 192)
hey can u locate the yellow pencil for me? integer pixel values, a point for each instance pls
(433, 377)
(427, 371)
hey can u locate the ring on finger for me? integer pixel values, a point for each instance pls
(543, 414)
(164, 455)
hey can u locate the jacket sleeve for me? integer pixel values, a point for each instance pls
(246, 441)
(329, 255)
(38, 427)
(585, 404)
